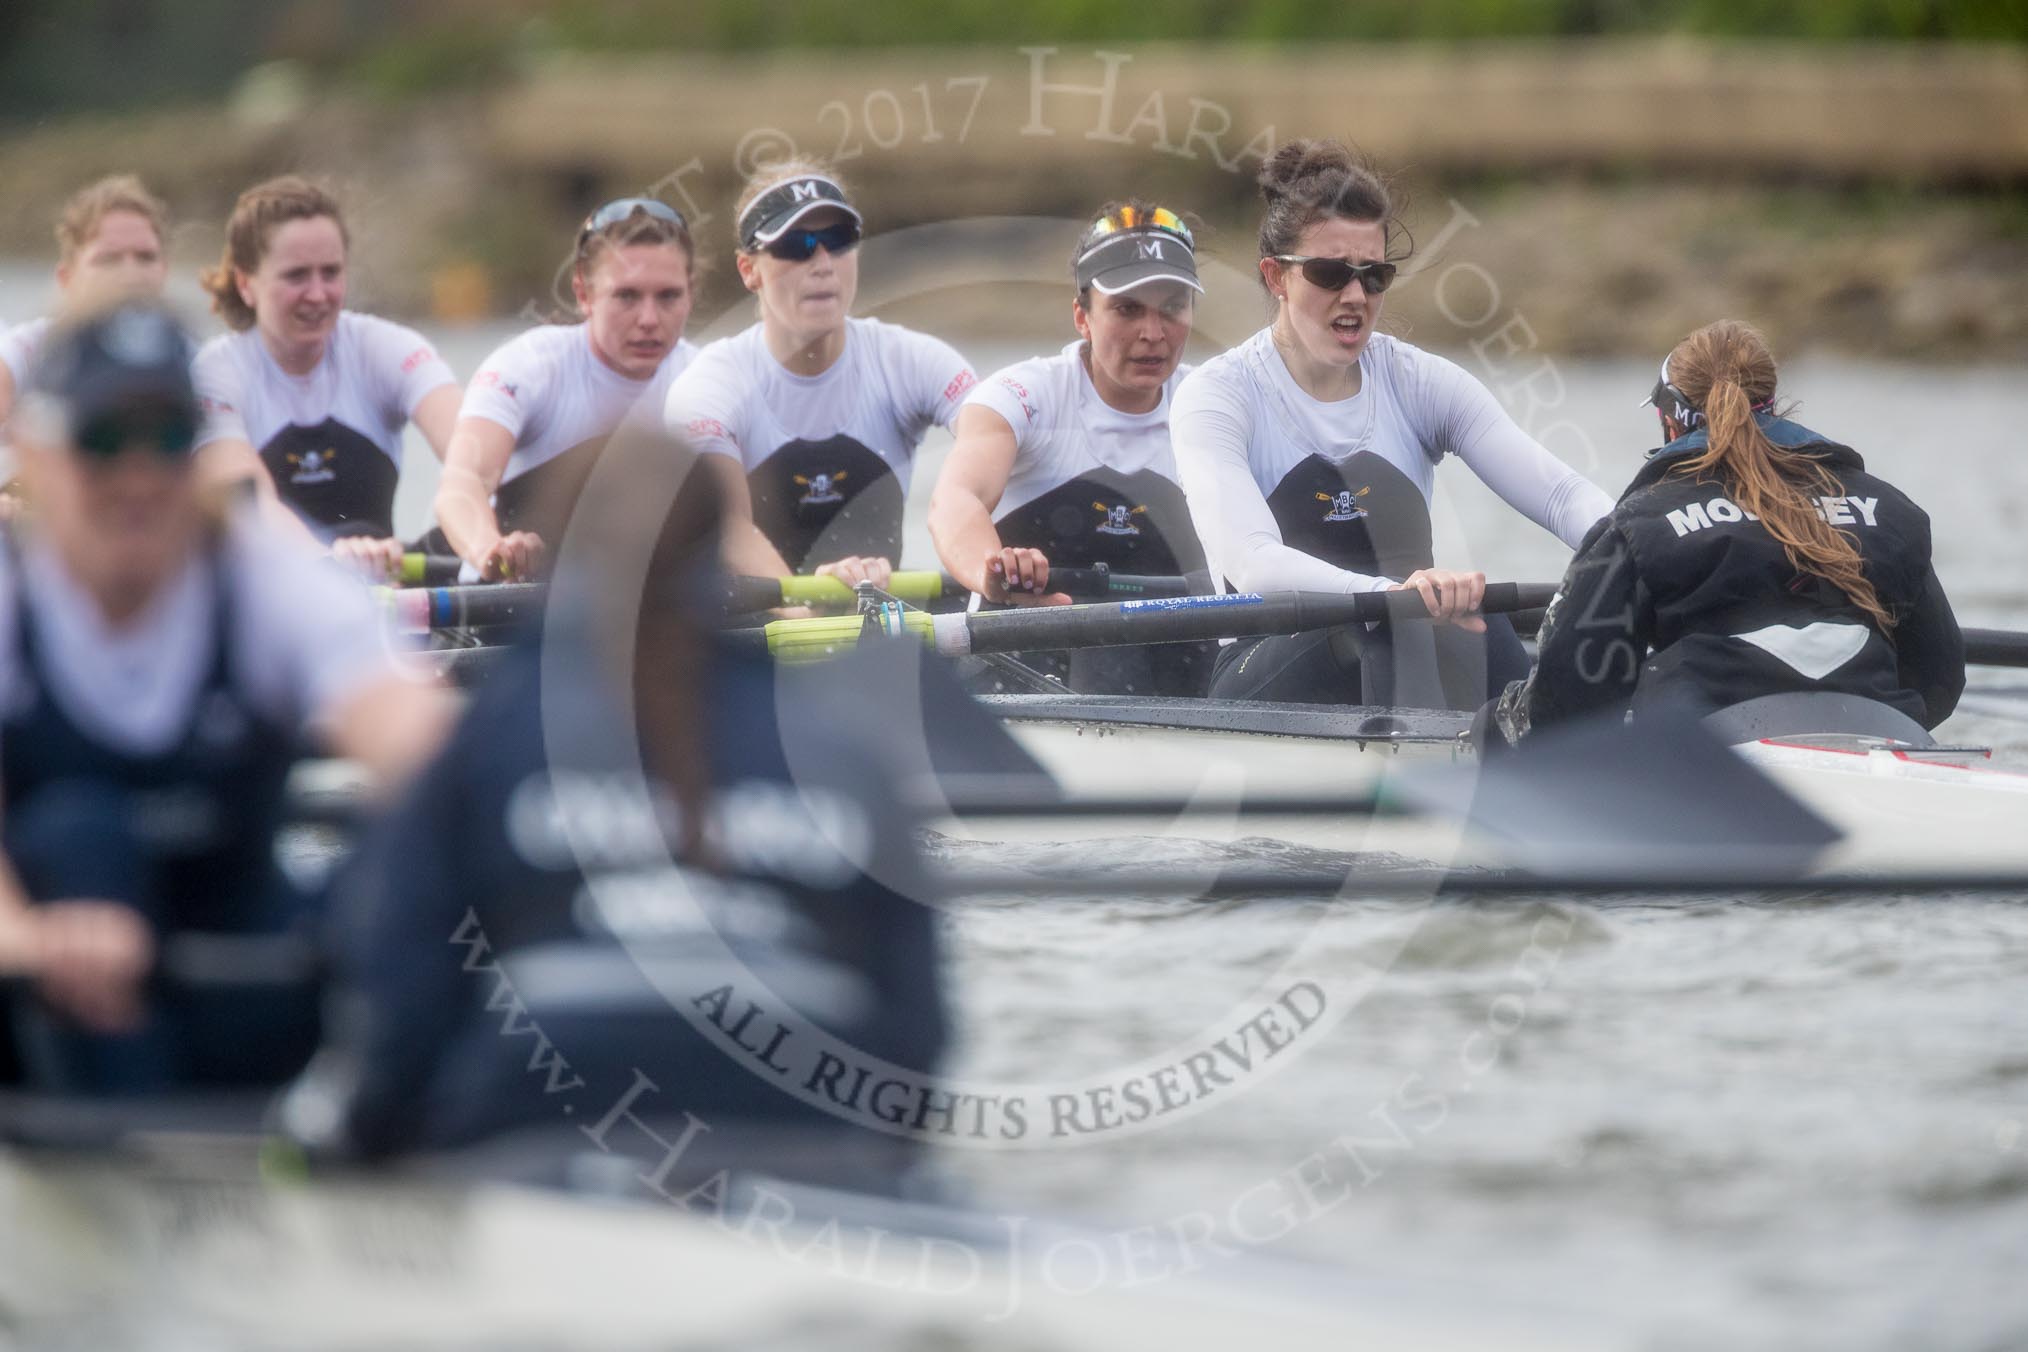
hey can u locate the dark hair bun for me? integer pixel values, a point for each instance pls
(1297, 165)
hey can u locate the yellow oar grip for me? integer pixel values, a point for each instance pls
(824, 636)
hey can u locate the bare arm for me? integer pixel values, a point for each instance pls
(746, 549)
(474, 463)
(436, 417)
(967, 491)
(961, 512)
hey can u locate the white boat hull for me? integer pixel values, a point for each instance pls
(1895, 809)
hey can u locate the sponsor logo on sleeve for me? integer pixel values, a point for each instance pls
(1020, 393)
(416, 358)
(493, 380)
(962, 381)
(707, 427)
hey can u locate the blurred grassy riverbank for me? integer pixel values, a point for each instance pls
(1591, 198)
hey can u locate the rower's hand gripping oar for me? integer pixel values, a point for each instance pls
(1178, 619)
(920, 588)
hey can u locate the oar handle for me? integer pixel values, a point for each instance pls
(829, 593)
(1103, 584)
(429, 570)
(750, 594)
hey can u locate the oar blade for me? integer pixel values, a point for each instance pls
(940, 740)
(1661, 795)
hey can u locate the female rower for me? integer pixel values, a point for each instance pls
(1066, 459)
(110, 240)
(165, 665)
(813, 416)
(1751, 556)
(540, 408)
(1309, 455)
(306, 398)
(663, 865)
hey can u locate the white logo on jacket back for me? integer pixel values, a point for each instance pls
(1725, 512)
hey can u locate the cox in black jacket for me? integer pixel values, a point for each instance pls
(1680, 596)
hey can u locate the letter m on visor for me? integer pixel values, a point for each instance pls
(802, 192)
(1150, 248)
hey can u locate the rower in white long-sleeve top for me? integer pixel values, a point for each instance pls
(1065, 460)
(1309, 453)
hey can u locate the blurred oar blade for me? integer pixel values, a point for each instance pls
(943, 743)
(1660, 796)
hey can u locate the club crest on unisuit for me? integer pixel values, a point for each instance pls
(313, 467)
(819, 489)
(1118, 518)
(1345, 504)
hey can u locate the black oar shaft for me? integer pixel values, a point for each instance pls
(1190, 618)
(498, 603)
(1996, 647)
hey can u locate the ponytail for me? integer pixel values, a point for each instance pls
(1727, 371)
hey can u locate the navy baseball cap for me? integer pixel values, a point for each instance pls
(119, 373)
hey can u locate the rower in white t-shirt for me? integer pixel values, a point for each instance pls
(812, 418)
(109, 239)
(18, 344)
(306, 398)
(1309, 453)
(331, 437)
(1066, 461)
(541, 408)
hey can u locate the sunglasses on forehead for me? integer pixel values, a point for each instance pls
(798, 245)
(1130, 218)
(1335, 274)
(612, 213)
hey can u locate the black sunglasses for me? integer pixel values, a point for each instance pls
(169, 432)
(798, 245)
(1335, 274)
(612, 213)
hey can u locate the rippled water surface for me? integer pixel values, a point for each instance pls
(1719, 1121)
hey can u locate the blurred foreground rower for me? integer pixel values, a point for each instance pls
(649, 888)
(162, 665)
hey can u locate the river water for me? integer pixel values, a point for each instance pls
(1717, 1121)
